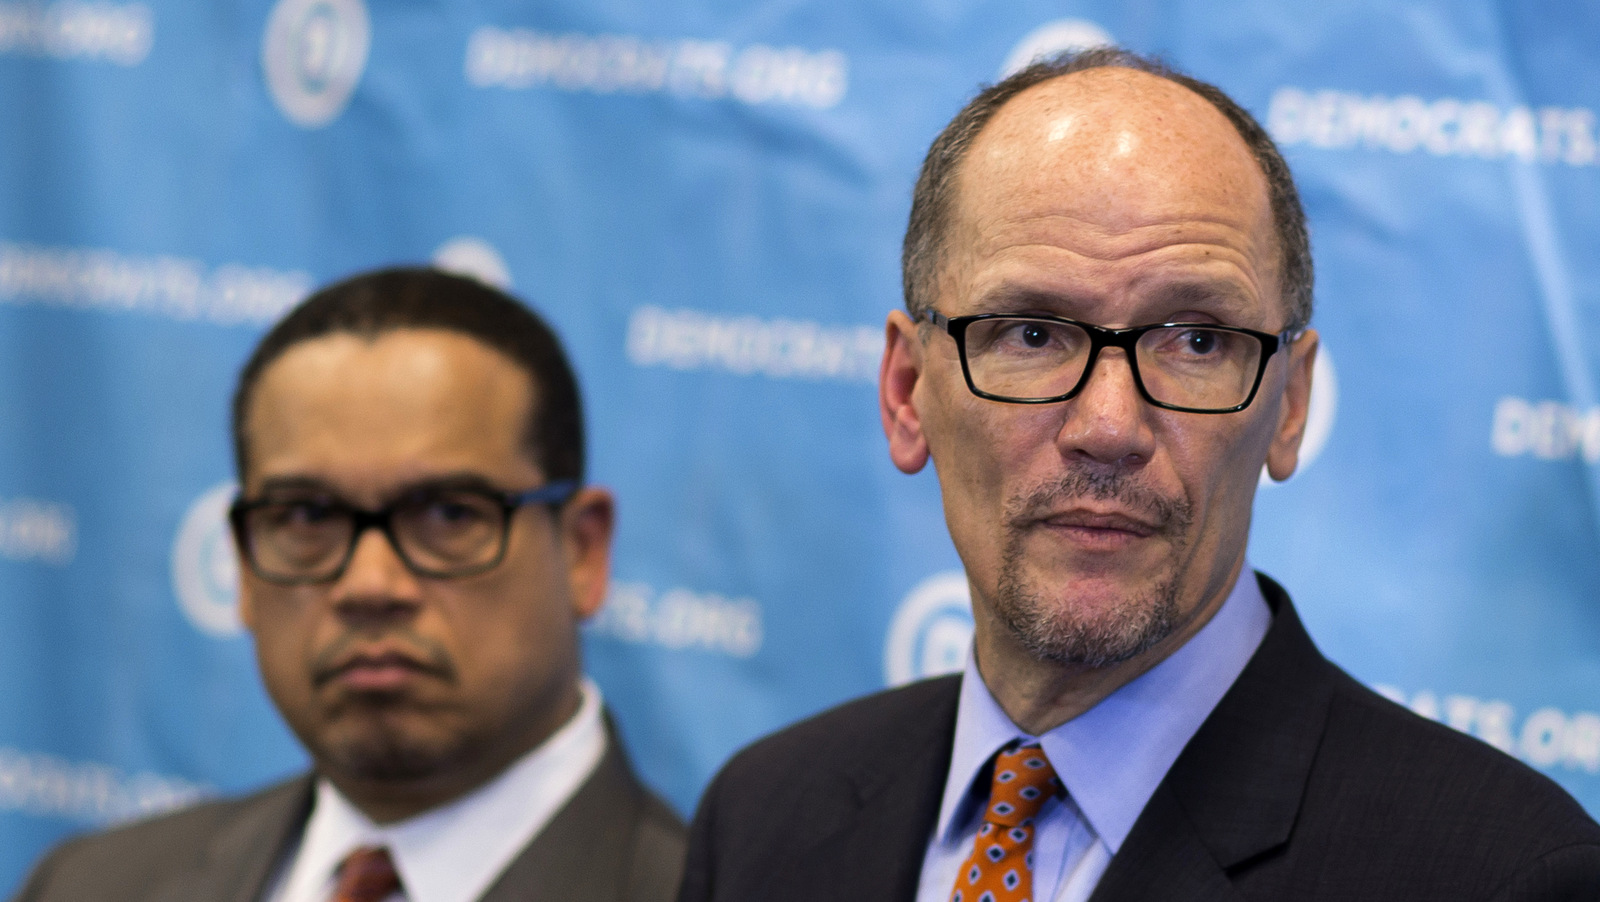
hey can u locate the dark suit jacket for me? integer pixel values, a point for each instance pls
(1302, 785)
(612, 842)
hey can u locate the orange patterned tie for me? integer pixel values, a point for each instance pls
(366, 875)
(1000, 868)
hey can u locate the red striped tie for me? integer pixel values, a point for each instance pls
(366, 875)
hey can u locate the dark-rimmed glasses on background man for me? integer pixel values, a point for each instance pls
(307, 535)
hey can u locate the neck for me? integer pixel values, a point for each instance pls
(1040, 695)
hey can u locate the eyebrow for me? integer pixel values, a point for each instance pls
(1020, 299)
(293, 483)
(458, 480)
(1220, 298)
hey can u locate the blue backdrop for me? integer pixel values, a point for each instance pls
(707, 200)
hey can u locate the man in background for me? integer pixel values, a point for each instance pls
(1108, 287)
(418, 550)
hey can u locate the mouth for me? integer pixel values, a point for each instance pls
(1098, 530)
(377, 669)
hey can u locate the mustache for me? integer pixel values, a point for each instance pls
(1166, 514)
(419, 651)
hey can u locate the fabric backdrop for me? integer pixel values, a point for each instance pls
(707, 198)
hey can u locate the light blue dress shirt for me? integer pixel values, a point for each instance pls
(1111, 758)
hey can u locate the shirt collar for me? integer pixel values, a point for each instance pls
(1112, 757)
(455, 852)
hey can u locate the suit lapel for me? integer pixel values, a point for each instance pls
(581, 854)
(241, 857)
(1164, 859)
(869, 828)
(1234, 793)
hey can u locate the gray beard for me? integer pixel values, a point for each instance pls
(1055, 630)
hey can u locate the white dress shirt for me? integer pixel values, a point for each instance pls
(1111, 758)
(452, 853)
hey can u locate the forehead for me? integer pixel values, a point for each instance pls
(1117, 165)
(401, 406)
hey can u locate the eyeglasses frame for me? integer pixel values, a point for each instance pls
(553, 494)
(1101, 337)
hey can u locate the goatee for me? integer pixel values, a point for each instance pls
(1045, 621)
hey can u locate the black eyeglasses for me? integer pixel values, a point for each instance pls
(1192, 367)
(295, 537)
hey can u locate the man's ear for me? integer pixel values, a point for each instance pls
(1284, 453)
(247, 605)
(587, 522)
(247, 602)
(897, 384)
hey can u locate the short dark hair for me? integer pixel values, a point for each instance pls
(373, 303)
(934, 196)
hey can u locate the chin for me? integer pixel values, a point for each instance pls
(1084, 624)
(388, 749)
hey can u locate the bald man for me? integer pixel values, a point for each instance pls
(1108, 292)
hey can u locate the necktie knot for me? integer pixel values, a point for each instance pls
(1023, 782)
(366, 875)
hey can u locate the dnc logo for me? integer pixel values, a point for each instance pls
(471, 256)
(931, 631)
(313, 54)
(205, 571)
(1054, 38)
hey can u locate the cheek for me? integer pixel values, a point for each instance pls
(983, 449)
(986, 455)
(284, 657)
(511, 632)
(1219, 468)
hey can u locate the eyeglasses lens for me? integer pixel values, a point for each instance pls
(298, 538)
(449, 531)
(1200, 368)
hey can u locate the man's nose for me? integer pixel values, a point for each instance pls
(376, 587)
(1108, 422)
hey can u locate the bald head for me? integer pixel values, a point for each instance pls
(1110, 134)
(1117, 153)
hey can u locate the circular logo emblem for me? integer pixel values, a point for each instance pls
(931, 631)
(1320, 411)
(205, 570)
(1053, 38)
(475, 258)
(313, 53)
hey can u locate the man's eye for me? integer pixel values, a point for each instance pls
(454, 512)
(1201, 341)
(450, 511)
(1031, 336)
(1191, 343)
(307, 513)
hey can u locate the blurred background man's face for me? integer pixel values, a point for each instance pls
(386, 675)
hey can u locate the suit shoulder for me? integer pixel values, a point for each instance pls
(783, 794)
(660, 835)
(870, 725)
(910, 724)
(660, 822)
(1387, 757)
(160, 833)
(137, 854)
(654, 822)
(660, 841)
